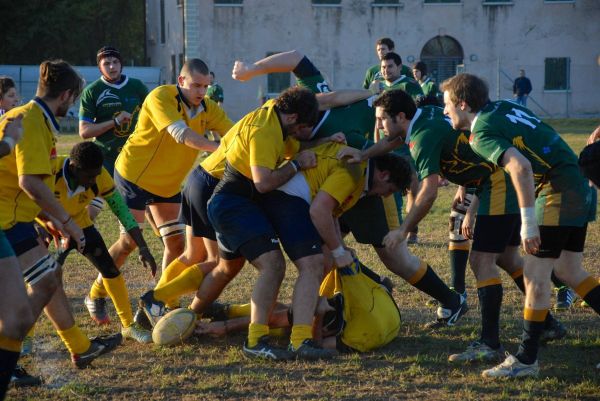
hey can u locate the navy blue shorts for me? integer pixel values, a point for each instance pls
(290, 216)
(137, 198)
(493, 234)
(5, 248)
(196, 193)
(22, 237)
(241, 225)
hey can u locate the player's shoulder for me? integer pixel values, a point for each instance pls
(164, 92)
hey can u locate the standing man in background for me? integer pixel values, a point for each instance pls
(383, 46)
(215, 91)
(521, 88)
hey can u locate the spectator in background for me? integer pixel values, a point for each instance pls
(428, 86)
(522, 88)
(8, 94)
(383, 46)
(215, 91)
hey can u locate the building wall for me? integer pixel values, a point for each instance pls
(160, 54)
(496, 40)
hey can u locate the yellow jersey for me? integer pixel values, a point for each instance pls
(33, 155)
(151, 158)
(75, 200)
(257, 140)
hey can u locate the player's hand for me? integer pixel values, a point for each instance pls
(467, 225)
(394, 238)
(147, 260)
(307, 159)
(350, 155)
(594, 136)
(215, 329)
(75, 233)
(14, 128)
(459, 197)
(531, 245)
(376, 87)
(242, 71)
(338, 137)
(344, 260)
(124, 117)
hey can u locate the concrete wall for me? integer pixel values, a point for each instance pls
(340, 41)
(160, 53)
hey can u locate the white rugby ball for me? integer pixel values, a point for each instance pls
(174, 327)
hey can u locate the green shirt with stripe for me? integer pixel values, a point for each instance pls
(429, 87)
(374, 74)
(563, 196)
(407, 84)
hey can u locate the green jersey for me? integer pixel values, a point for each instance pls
(407, 84)
(101, 101)
(374, 74)
(563, 195)
(215, 92)
(429, 87)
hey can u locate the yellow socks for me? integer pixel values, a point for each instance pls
(98, 291)
(75, 341)
(238, 310)
(300, 332)
(173, 270)
(255, 332)
(188, 281)
(118, 293)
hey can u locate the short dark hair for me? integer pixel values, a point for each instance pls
(108, 51)
(212, 74)
(467, 88)
(421, 66)
(194, 65)
(393, 56)
(396, 101)
(399, 168)
(301, 101)
(386, 41)
(86, 156)
(57, 76)
(589, 162)
(6, 83)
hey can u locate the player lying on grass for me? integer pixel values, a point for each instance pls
(79, 179)
(355, 313)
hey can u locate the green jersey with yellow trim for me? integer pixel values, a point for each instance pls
(215, 92)
(407, 84)
(374, 74)
(563, 196)
(429, 87)
(101, 101)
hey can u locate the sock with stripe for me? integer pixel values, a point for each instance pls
(490, 301)
(533, 325)
(459, 257)
(589, 291)
(519, 281)
(427, 281)
(117, 290)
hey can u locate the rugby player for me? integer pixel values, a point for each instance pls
(163, 148)
(554, 199)
(391, 71)
(382, 47)
(27, 177)
(429, 88)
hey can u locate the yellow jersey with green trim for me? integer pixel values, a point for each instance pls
(258, 140)
(76, 200)
(151, 158)
(33, 155)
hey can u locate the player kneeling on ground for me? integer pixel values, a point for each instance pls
(79, 179)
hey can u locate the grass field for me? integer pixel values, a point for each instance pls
(412, 367)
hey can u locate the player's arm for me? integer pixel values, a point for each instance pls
(280, 62)
(321, 214)
(468, 224)
(11, 134)
(180, 131)
(266, 180)
(423, 203)
(521, 175)
(121, 211)
(88, 129)
(35, 188)
(343, 97)
(385, 145)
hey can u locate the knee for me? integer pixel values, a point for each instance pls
(174, 244)
(17, 324)
(127, 244)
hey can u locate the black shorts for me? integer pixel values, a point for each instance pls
(22, 237)
(555, 239)
(290, 216)
(371, 219)
(138, 198)
(494, 233)
(198, 189)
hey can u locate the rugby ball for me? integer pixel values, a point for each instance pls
(174, 327)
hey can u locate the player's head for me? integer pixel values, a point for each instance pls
(393, 111)
(212, 77)
(59, 82)
(110, 63)
(589, 162)
(85, 163)
(391, 66)
(464, 96)
(521, 72)
(419, 70)
(8, 93)
(383, 46)
(392, 174)
(193, 80)
(298, 110)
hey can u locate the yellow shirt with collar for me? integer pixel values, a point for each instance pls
(151, 158)
(33, 155)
